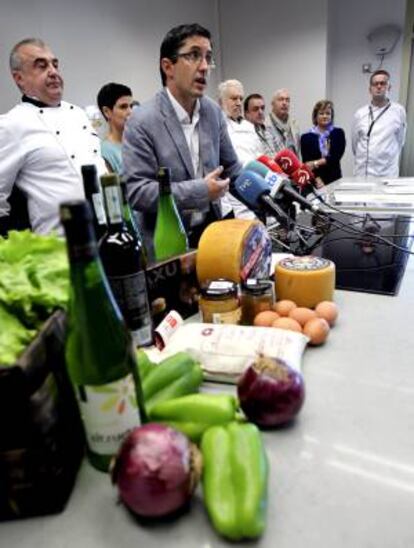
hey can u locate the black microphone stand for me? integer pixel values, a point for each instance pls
(299, 239)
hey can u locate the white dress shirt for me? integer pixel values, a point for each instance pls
(379, 154)
(190, 129)
(42, 151)
(248, 147)
(245, 140)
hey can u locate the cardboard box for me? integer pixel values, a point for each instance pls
(174, 281)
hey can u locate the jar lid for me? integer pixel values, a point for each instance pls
(256, 287)
(219, 289)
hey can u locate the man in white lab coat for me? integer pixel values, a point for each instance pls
(43, 140)
(378, 131)
(243, 136)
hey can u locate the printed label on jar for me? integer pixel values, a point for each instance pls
(232, 317)
(109, 413)
(221, 284)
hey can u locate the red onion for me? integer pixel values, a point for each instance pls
(156, 470)
(270, 392)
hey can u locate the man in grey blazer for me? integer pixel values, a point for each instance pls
(185, 131)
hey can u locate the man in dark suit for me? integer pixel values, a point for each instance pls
(185, 131)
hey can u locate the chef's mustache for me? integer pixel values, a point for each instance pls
(55, 80)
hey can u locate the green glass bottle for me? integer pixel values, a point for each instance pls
(170, 237)
(99, 353)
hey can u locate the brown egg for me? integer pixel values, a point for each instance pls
(328, 311)
(302, 314)
(317, 329)
(287, 323)
(284, 307)
(265, 318)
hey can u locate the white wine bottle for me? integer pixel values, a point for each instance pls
(170, 237)
(99, 353)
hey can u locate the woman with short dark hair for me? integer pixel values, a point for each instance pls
(115, 103)
(323, 146)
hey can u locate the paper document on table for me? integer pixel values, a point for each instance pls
(225, 350)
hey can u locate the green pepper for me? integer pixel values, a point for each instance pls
(195, 413)
(235, 473)
(144, 363)
(173, 377)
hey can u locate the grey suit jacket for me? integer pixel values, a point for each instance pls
(153, 137)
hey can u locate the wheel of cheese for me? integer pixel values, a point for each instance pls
(305, 280)
(235, 249)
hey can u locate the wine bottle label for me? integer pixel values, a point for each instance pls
(142, 336)
(99, 208)
(109, 413)
(113, 203)
(131, 295)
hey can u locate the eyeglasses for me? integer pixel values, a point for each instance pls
(196, 57)
(381, 83)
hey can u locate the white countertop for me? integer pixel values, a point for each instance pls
(341, 476)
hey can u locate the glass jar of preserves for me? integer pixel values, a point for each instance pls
(219, 302)
(256, 296)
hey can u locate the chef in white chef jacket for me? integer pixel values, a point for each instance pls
(378, 131)
(44, 141)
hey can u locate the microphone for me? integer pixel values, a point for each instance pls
(273, 179)
(257, 167)
(287, 191)
(288, 161)
(253, 190)
(300, 174)
(271, 164)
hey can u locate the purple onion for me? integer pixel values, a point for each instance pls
(156, 470)
(270, 392)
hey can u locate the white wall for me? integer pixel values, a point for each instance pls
(269, 44)
(314, 47)
(349, 22)
(98, 41)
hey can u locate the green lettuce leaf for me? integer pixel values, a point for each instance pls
(34, 278)
(34, 281)
(14, 337)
